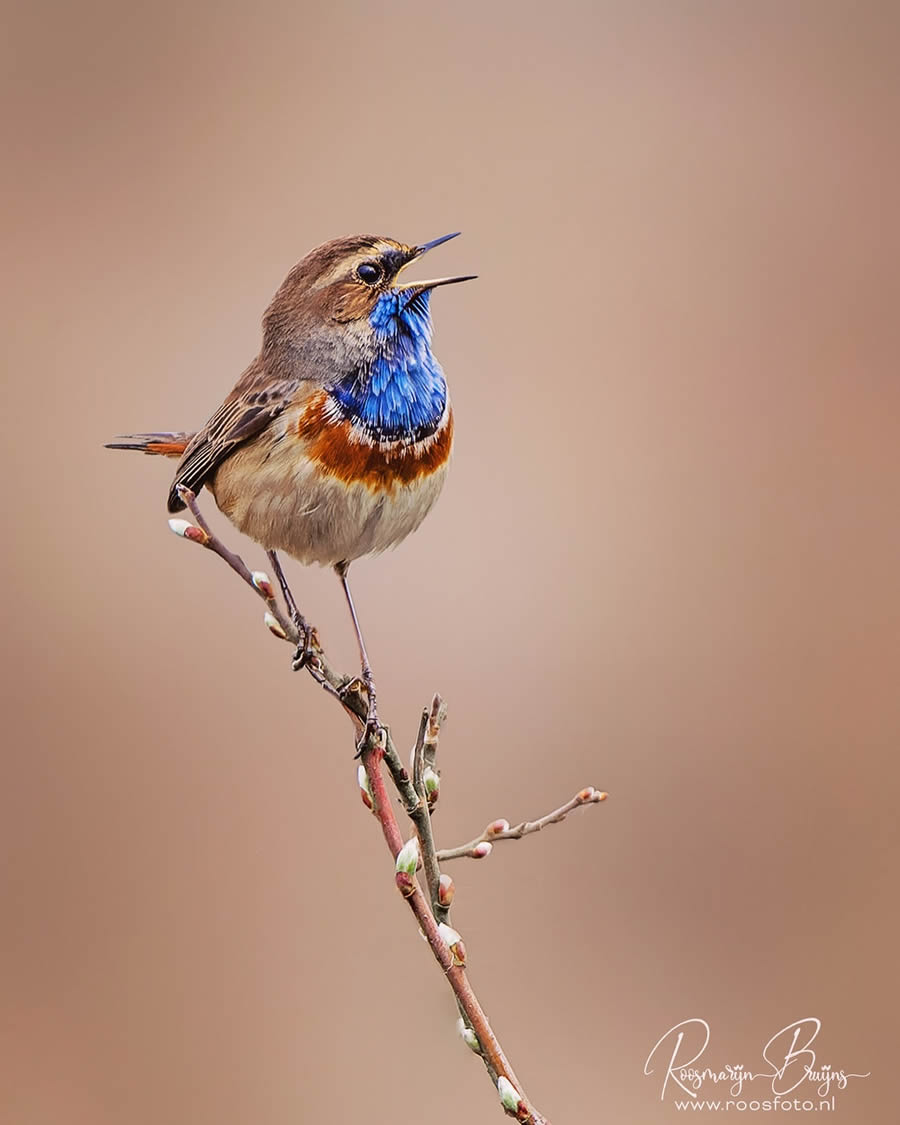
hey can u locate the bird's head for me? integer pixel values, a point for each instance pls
(351, 285)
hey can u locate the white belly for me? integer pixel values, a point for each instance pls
(286, 504)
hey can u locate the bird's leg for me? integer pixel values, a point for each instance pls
(373, 726)
(304, 649)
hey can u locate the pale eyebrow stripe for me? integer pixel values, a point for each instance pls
(341, 268)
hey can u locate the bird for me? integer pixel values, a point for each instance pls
(336, 440)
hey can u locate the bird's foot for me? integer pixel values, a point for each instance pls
(374, 733)
(372, 737)
(306, 647)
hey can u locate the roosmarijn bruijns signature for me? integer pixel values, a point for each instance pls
(789, 1055)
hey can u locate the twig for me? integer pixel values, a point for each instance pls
(451, 957)
(446, 945)
(500, 829)
(258, 581)
(426, 742)
(278, 624)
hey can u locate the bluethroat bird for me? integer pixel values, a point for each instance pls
(335, 441)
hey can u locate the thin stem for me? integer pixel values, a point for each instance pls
(378, 746)
(237, 564)
(494, 831)
(427, 735)
(492, 1053)
(315, 663)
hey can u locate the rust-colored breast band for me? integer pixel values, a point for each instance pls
(334, 451)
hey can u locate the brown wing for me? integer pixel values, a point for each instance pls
(251, 406)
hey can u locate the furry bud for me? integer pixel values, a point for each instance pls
(405, 867)
(468, 1036)
(365, 789)
(432, 780)
(510, 1098)
(260, 580)
(406, 884)
(408, 857)
(273, 626)
(446, 890)
(454, 943)
(189, 531)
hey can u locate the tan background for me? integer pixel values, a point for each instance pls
(666, 562)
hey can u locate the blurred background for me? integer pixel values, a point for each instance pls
(665, 564)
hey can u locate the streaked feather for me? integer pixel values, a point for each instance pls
(160, 445)
(243, 415)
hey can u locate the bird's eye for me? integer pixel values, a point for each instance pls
(369, 272)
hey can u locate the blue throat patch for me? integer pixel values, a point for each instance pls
(402, 394)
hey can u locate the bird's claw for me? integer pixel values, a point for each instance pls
(372, 737)
(304, 650)
(374, 733)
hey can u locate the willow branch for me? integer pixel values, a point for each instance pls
(500, 829)
(424, 750)
(417, 794)
(256, 580)
(449, 953)
(294, 630)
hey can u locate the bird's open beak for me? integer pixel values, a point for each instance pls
(418, 251)
(416, 287)
(421, 286)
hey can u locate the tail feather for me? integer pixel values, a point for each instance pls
(161, 445)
